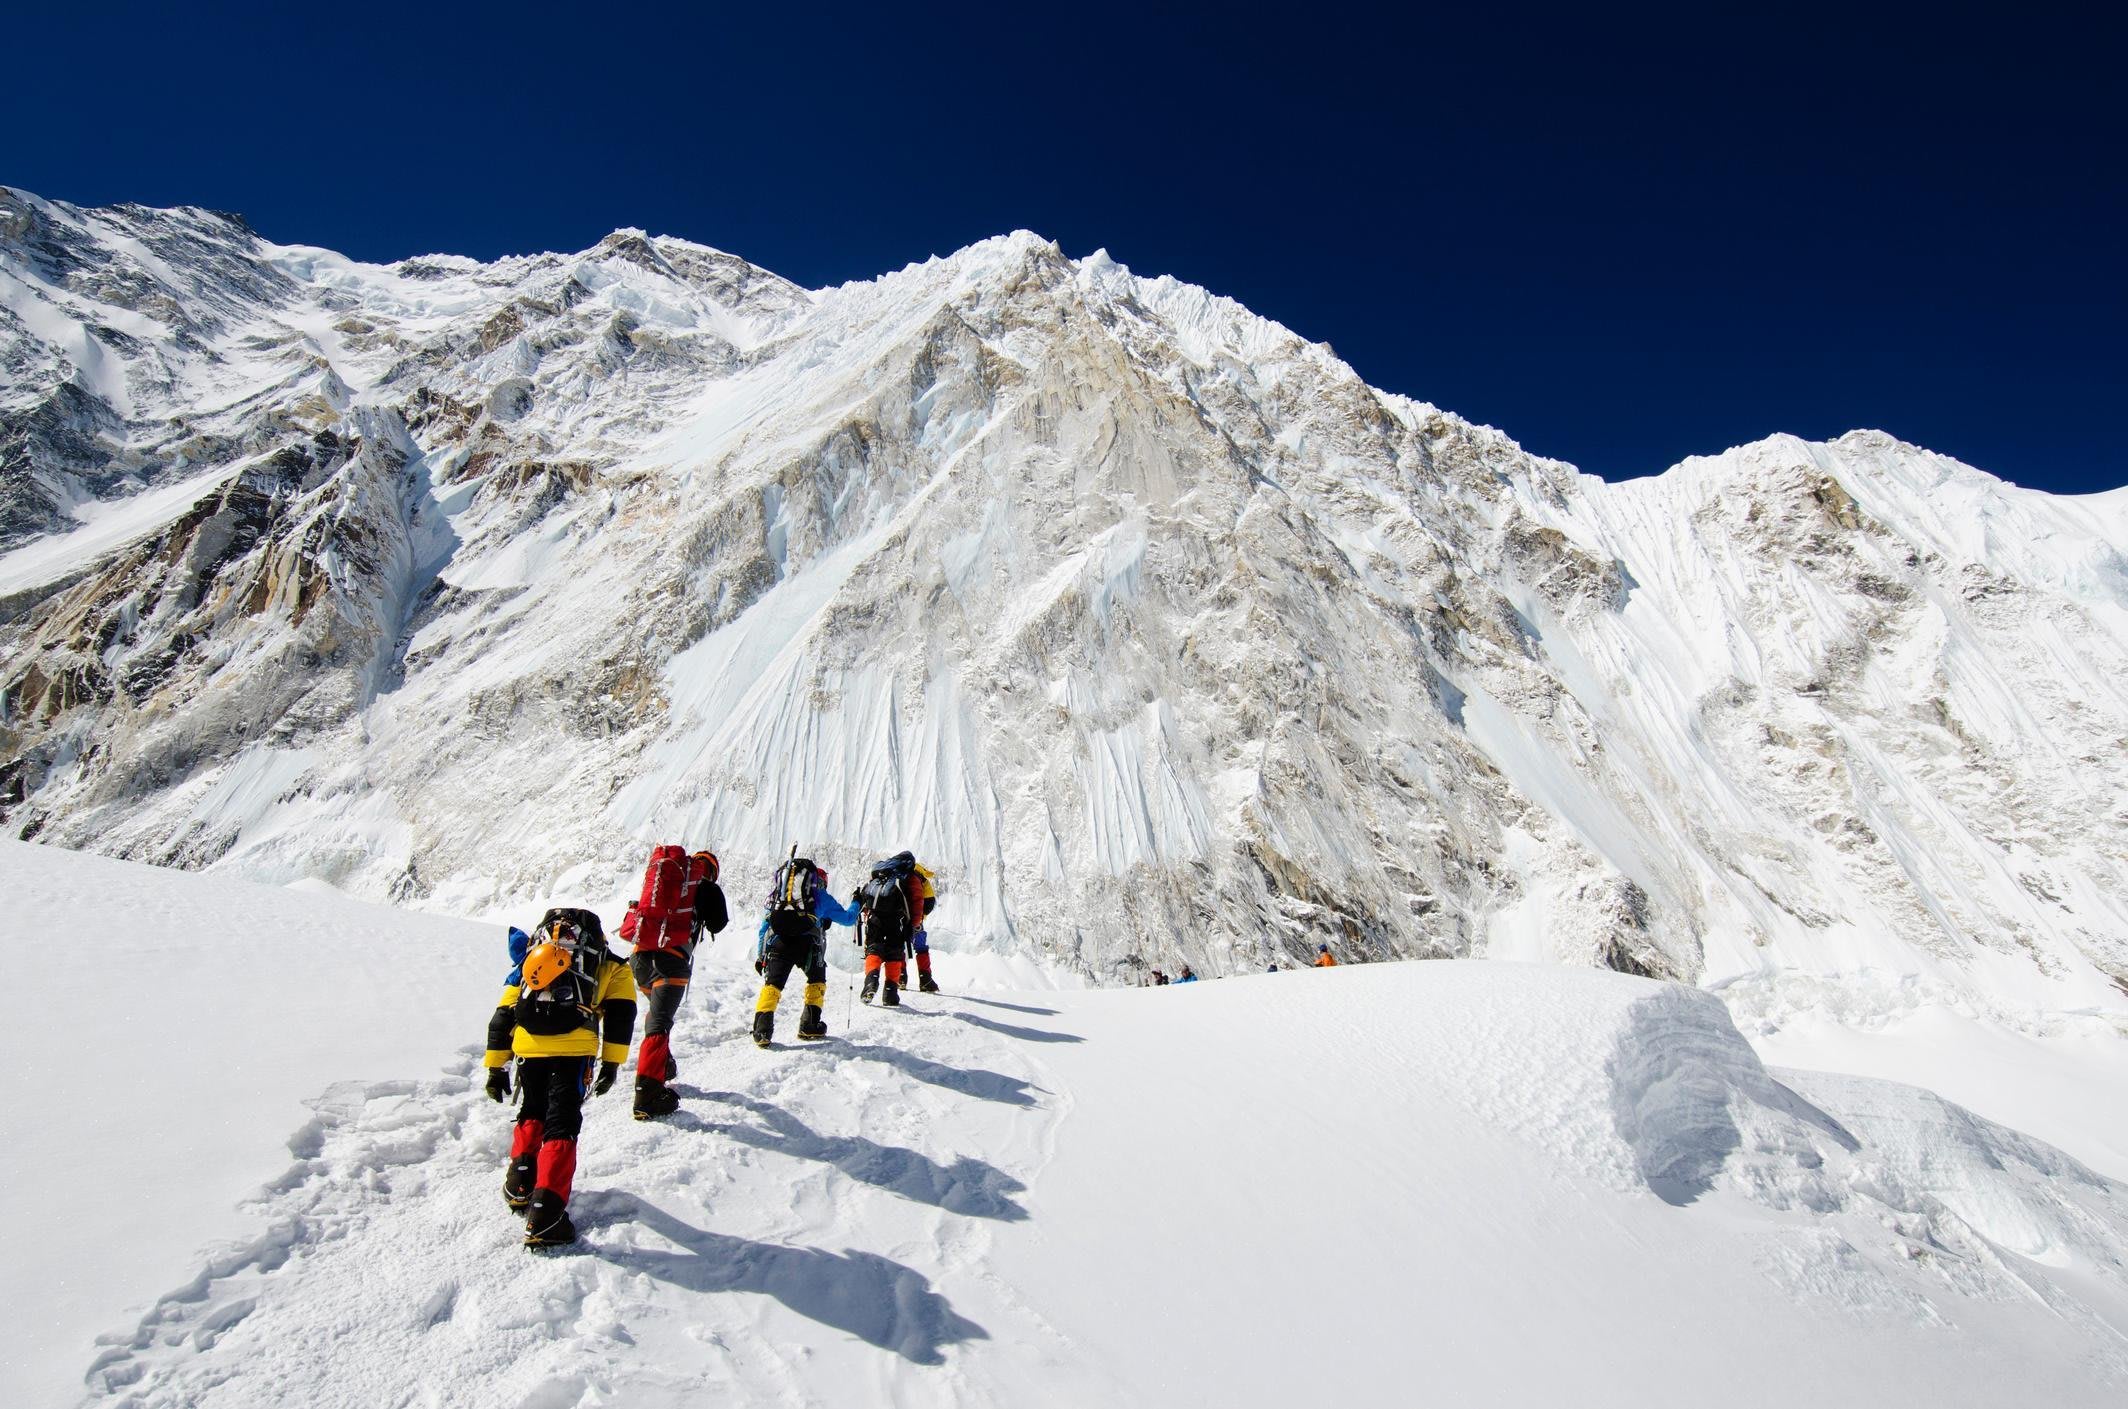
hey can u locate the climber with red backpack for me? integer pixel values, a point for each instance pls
(680, 902)
(566, 1018)
(793, 937)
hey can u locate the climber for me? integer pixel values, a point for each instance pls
(892, 904)
(567, 1021)
(799, 904)
(921, 940)
(1188, 975)
(680, 902)
(1159, 979)
(1324, 959)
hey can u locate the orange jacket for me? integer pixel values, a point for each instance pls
(1324, 961)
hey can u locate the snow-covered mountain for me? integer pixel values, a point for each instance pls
(1165, 635)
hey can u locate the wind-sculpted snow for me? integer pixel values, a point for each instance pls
(1151, 625)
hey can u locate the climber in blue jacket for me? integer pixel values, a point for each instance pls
(793, 936)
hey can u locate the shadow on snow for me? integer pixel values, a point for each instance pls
(1005, 1029)
(967, 1186)
(968, 1081)
(875, 1299)
(1010, 1007)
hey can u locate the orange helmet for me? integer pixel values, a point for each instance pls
(546, 963)
(711, 857)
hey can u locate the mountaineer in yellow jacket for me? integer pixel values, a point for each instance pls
(569, 1011)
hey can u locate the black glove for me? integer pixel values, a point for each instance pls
(609, 1072)
(760, 966)
(498, 1084)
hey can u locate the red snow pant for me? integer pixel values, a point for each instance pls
(661, 976)
(894, 967)
(550, 1112)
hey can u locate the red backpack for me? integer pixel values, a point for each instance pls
(665, 912)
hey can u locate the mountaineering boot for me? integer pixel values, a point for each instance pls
(523, 1170)
(810, 1027)
(654, 1098)
(517, 1183)
(547, 1224)
(764, 1028)
(891, 996)
(871, 987)
(925, 983)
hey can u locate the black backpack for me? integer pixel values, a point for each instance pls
(568, 1002)
(884, 900)
(796, 885)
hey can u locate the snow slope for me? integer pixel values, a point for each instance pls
(166, 1072)
(1476, 1183)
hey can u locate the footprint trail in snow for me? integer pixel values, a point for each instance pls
(814, 1216)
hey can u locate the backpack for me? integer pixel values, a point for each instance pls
(797, 884)
(665, 911)
(558, 988)
(884, 900)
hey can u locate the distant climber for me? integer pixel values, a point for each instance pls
(1324, 959)
(921, 940)
(1188, 975)
(1159, 979)
(680, 902)
(891, 905)
(567, 1019)
(799, 904)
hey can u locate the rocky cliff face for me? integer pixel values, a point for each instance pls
(1165, 635)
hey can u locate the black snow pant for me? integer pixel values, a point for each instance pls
(661, 977)
(551, 1091)
(798, 947)
(794, 942)
(890, 946)
(550, 1112)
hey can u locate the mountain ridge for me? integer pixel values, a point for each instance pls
(1170, 637)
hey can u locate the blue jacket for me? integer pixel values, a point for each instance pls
(826, 909)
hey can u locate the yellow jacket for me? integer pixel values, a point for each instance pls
(605, 1034)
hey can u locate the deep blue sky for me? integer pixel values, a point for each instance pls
(1621, 238)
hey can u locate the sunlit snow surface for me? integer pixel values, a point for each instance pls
(1499, 1183)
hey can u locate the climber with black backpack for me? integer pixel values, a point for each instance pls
(892, 904)
(680, 902)
(792, 937)
(566, 1018)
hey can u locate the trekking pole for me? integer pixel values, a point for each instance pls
(849, 1002)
